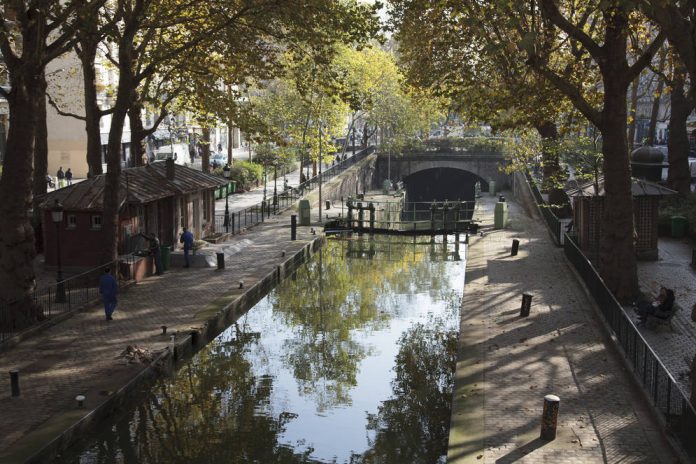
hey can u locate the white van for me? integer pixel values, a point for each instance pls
(181, 153)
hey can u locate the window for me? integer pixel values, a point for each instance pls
(96, 222)
(72, 222)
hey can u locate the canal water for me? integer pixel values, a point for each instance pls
(349, 361)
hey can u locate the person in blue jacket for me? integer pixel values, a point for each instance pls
(108, 288)
(187, 239)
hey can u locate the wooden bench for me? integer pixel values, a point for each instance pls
(661, 319)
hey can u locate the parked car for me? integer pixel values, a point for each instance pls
(219, 158)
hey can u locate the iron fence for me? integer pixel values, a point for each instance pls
(235, 222)
(666, 394)
(552, 221)
(62, 297)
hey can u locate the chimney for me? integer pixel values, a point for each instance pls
(170, 168)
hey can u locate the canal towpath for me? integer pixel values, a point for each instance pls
(507, 364)
(84, 355)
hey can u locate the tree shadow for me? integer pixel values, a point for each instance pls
(519, 453)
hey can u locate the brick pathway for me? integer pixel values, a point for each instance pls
(507, 364)
(80, 355)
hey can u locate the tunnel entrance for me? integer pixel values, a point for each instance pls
(440, 184)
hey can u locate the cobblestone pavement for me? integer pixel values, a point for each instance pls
(507, 364)
(675, 348)
(81, 355)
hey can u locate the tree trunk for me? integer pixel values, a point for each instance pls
(40, 146)
(554, 176)
(632, 121)
(16, 234)
(92, 112)
(205, 152)
(137, 133)
(678, 173)
(654, 113)
(617, 254)
(230, 152)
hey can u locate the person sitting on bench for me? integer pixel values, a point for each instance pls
(659, 308)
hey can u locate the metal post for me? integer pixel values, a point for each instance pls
(265, 180)
(371, 207)
(293, 227)
(14, 382)
(263, 210)
(227, 214)
(526, 305)
(233, 223)
(549, 418)
(349, 204)
(515, 247)
(360, 218)
(60, 288)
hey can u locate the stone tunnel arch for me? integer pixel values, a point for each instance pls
(442, 183)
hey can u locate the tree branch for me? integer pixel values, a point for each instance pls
(550, 10)
(61, 112)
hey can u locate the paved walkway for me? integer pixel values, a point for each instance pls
(81, 355)
(507, 363)
(673, 269)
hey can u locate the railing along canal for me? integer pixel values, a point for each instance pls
(667, 396)
(60, 298)
(258, 213)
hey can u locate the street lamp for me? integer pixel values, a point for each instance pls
(57, 217)
(320, 162)
(275, 184)
(226, 173)
(171, 135)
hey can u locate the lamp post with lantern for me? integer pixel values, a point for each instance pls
(57, 217)
(226, 173)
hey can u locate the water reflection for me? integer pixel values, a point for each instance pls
(350, 361)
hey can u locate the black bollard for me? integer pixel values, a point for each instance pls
(14, 382)
(220, 260)
(549, 418)
(693, 258)
(293, 227)
(164, 330)
(515, 247)
(526, 305)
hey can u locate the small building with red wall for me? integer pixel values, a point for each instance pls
(159, 198)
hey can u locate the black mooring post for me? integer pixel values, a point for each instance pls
(361, 215)
(372, 217)
(293, 227)
(526, 305)
(549, 417)
(515, 247)
(14, 382)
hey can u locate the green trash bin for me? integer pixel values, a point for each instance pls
(501, 215)
(165, 256)
(679, 226)
(304, 211)
(386, 185)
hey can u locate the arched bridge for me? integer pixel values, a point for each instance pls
(438, 175)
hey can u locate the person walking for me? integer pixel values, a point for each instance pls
(60, 175)
(108, 288)
(187, 239)
(68, 176)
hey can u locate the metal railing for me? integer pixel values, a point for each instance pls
(661, 387)
(411, 217)
(551, 219)
(258, 213)
(48, 302)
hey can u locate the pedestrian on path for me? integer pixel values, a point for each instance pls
(68, 176)
(187, 239)
(108, 288)
(61, 177)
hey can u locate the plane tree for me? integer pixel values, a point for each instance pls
(32, 34)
